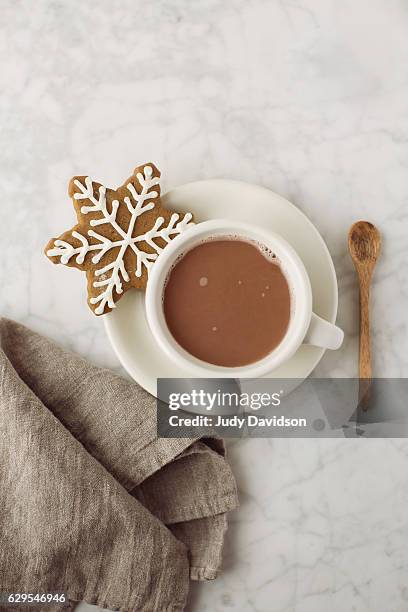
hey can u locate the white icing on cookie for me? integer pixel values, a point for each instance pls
(109, 278)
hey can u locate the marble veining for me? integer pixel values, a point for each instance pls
(306, 97)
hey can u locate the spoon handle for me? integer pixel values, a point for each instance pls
(365, 339)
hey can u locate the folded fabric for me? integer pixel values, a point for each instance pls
(92, 503)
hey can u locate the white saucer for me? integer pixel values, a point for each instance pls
(127, 326)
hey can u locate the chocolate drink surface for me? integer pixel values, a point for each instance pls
(227, 303)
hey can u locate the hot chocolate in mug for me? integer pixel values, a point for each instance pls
(223, 292)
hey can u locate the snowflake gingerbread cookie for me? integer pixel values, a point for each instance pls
(119, 234)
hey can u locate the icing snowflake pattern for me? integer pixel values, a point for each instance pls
(108, 278)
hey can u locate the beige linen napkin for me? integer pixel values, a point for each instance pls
(92, 503)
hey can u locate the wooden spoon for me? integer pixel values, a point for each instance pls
(365, 247)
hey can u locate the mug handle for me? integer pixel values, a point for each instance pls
(324, 334)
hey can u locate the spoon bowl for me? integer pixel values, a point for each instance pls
(364, 243)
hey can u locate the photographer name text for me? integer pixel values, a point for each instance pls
(235, 421)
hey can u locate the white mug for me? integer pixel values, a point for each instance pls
(305, 327)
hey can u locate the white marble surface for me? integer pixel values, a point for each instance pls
(309, 98)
